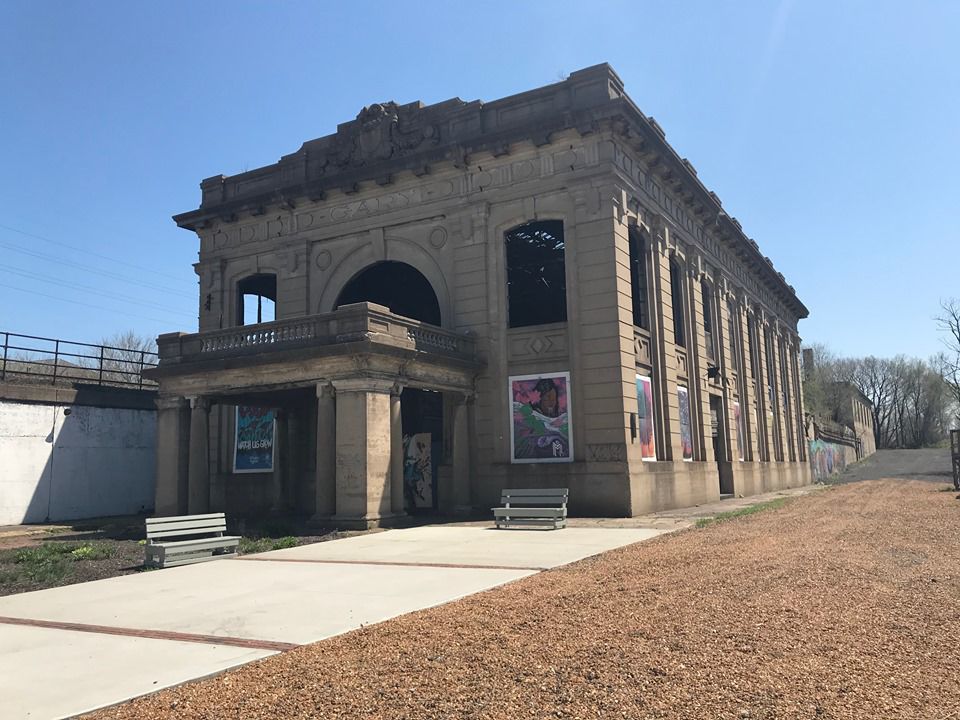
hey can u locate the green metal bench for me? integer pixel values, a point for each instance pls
(188, 539)
(545, 507)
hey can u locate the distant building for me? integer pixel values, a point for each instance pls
(437, 302)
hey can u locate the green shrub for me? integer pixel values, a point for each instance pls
(91, 552)
(284, 542)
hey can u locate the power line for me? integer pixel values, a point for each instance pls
(72, 301)
(97, 271)
(94, 291)
(91, 252)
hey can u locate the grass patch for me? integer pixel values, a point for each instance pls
(749, 510)
(249, 546)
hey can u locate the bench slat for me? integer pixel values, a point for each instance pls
(200, 543)
(180, 518)
(559, 523)
(529, 512)
(535, 500)
(210, 526)
(536, 491)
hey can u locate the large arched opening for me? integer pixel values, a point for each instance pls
(398, 286)
(404, 290)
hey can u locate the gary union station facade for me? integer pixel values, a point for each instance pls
(437, 302)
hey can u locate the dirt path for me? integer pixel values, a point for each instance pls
(842, 604)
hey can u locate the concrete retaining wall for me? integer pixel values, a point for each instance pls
(64, 461)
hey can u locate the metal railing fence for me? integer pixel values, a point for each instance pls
(31, 359)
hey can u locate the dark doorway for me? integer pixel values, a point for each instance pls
(396, 285)
(719, 431)
(421, 414)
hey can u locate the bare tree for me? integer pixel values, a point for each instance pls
(124, 356)
(949, 363)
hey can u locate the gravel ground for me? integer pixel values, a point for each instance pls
(840, 604)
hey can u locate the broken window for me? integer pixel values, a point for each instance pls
(676, 295)
(638, 279)
(257, 299)
(536, 274)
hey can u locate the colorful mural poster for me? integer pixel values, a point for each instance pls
(418, 471)
(541, 422)
(686, 435)
(738, 418)
(648, 450)
(253, 449)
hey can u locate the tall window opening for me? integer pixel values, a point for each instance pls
(708, 322)
(676, 295)
(257, 299)
(734, 331)
(638, 279)
(536, 274)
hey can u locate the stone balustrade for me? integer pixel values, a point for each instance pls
(350, 323)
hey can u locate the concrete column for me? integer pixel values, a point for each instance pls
(396, 453)
(326, 481)
(364, 495)
(461, 457)
(173, 439)
(199, 473)
(292, 467)
(281, 463)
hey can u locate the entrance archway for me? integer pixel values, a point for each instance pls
(398, 286)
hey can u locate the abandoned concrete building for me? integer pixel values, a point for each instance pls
(437, 302)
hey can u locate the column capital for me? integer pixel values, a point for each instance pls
(199, 402)
(325, 389)
(171, 402)
(376, 385)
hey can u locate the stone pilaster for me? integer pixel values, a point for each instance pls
(363, 495)
(173, 442)
(396, 453)
(326, 479)
(280, 477)
(461, 456)
(198, 499)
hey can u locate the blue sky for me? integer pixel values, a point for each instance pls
(829, 129)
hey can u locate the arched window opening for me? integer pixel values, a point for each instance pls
(396, 285)
(705, 292)
(676, 295)
(536, 274)
(257, 299)
(638, 279)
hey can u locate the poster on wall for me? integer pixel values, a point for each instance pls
(255, 435)
(648, 449)
(418, 471)
(686, 435)
(540, 416)
(738, 418)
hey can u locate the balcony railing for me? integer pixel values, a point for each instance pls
(350, 323)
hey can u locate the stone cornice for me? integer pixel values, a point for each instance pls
(388, 139)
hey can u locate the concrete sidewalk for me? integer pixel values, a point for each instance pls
(73, 649)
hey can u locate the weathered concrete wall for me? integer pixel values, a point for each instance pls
(88, 462)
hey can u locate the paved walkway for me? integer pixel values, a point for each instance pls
(73, 649)
(76, 648)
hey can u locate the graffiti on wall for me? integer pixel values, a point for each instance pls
(826, 459)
